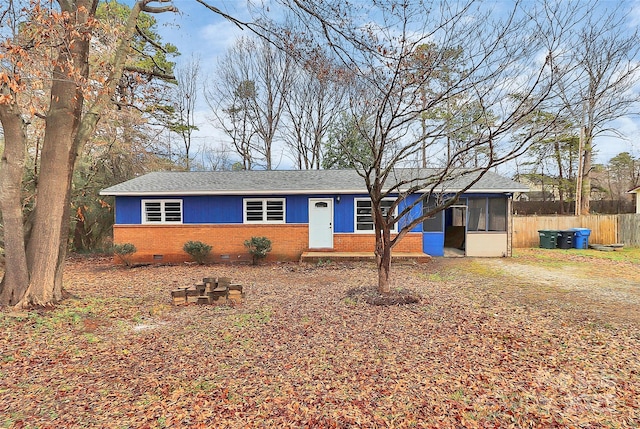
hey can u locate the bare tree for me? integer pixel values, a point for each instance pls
(185, 99)
(602, 67)
(502, 56)
(230, 96)
(248, 98)
(551, 161)
(314, 101)
(215, 158)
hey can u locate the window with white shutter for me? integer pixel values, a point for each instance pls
(161, 211)
(264, 210)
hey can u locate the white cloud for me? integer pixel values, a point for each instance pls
(217, 37)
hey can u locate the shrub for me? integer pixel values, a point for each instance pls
(198, 250)
(258, 248)
(124, 251)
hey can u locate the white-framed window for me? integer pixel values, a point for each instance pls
(161, 211)
(264, 210)
(364, 218)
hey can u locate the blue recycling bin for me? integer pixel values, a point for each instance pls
(581, 238)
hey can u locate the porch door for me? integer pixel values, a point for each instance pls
(455, 236)
(320, 223)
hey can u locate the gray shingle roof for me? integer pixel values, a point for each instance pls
(284, 182)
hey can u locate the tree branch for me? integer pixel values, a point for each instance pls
(149, 40)
(154, 73)
(214, 9)
(151, 9)
(144, 6)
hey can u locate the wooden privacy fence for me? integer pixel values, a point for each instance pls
(605, 229)
(629, 229)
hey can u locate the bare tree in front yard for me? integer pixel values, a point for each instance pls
(402, 65)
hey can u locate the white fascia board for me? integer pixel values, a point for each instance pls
(479, 191)
(285, 192)
(243, 192)
(496, 191)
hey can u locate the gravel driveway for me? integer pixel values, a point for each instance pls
(585, 286)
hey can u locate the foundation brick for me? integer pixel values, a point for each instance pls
(287, 241)
(163, 243)
(412, 242)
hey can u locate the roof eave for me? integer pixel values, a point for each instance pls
(494, 190)
(230, 192)
(283, 192)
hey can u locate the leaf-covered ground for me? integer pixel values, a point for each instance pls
(545, 339)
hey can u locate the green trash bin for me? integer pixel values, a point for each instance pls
(548, 238)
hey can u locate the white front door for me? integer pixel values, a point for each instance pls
(320, 223)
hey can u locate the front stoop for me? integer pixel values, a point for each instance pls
(315, 257)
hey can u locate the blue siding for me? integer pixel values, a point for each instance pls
(219, 209)
(433, 243)
(128, 211)
(415, 212)
(297, 207)
(344, 216)
(209, 209)
(343, 213)
(195, 209)
(228, 210)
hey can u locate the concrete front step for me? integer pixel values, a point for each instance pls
(361, 256)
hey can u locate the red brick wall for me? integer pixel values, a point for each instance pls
(288, 241)
(412, 242)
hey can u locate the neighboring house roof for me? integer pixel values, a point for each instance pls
(634, 190)
(261, 182)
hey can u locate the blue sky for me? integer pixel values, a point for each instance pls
(202, 34)
(199, 32)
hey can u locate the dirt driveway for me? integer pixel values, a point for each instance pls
(583, 285)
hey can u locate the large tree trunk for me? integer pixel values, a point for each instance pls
(46, 249)
(34, 271)
(16, 275)
(43, 250)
